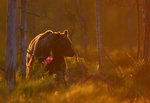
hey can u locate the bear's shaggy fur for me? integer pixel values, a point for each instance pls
(47, 43)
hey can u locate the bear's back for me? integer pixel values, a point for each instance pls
(36, 46)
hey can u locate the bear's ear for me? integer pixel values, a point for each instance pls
(58, 34)
(66, 33)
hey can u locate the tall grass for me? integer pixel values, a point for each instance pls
(115, 83)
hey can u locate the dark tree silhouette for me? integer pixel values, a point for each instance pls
(147, 30)
(23, 39)
(138, 32)
(11, 45)
(98, 33)
(129, 26)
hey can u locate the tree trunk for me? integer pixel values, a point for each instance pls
(98, 34)
(11, 45)
(147, 30)
(138, 31)
(82, 21)
(129, 26)
(23, 39)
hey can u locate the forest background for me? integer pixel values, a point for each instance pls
(119, 23)
(124, 75)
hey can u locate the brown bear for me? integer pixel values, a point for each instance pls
(47, 44)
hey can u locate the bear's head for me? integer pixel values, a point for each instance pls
(63, 45)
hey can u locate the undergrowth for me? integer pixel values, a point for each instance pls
(115, 83)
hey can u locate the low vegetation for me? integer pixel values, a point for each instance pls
(115, 83)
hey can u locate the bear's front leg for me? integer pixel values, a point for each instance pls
(61, 73)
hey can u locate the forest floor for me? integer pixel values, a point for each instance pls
(123, 80)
